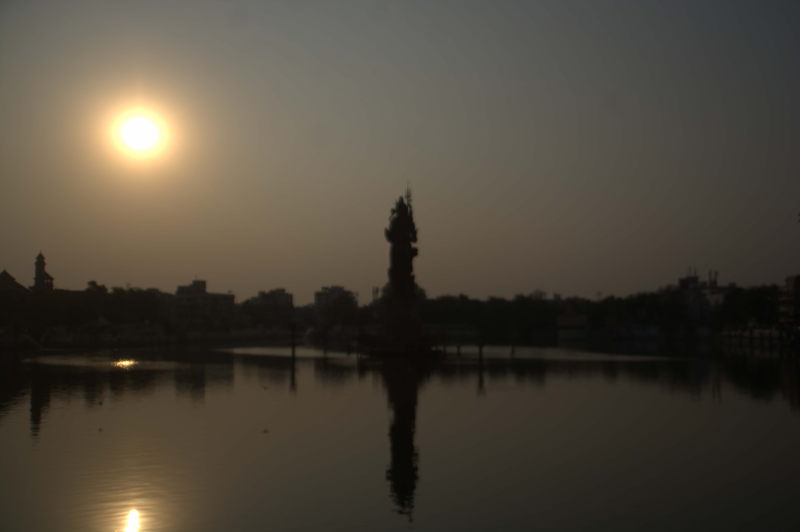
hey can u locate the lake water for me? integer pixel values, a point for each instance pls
(254, 440)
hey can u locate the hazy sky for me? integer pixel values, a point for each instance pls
(573, 147)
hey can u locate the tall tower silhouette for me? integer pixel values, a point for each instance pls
(42, 281)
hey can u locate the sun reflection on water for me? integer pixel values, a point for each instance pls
(133, 521)
(125, 364)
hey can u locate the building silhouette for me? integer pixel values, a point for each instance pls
(194, 307)
(9, 285)
(42, 281)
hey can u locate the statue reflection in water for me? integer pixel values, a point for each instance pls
(402, 382)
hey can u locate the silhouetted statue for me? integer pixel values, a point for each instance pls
(402, 233)
(402, 334)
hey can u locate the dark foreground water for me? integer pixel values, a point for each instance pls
(250, 441)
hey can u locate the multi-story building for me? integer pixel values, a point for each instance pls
(196, 308)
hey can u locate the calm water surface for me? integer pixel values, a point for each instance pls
(251, 440)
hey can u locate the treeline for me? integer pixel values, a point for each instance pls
(523, 320)
(535, 319)
(123, 314)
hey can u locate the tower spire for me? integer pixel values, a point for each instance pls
(42, 281)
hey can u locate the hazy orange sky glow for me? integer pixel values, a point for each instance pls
(572, 147)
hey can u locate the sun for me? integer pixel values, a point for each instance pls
(140, 133)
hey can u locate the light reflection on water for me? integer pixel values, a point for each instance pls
(133, 521)
(214, 441)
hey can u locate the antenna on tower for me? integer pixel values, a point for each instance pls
(408, 195)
